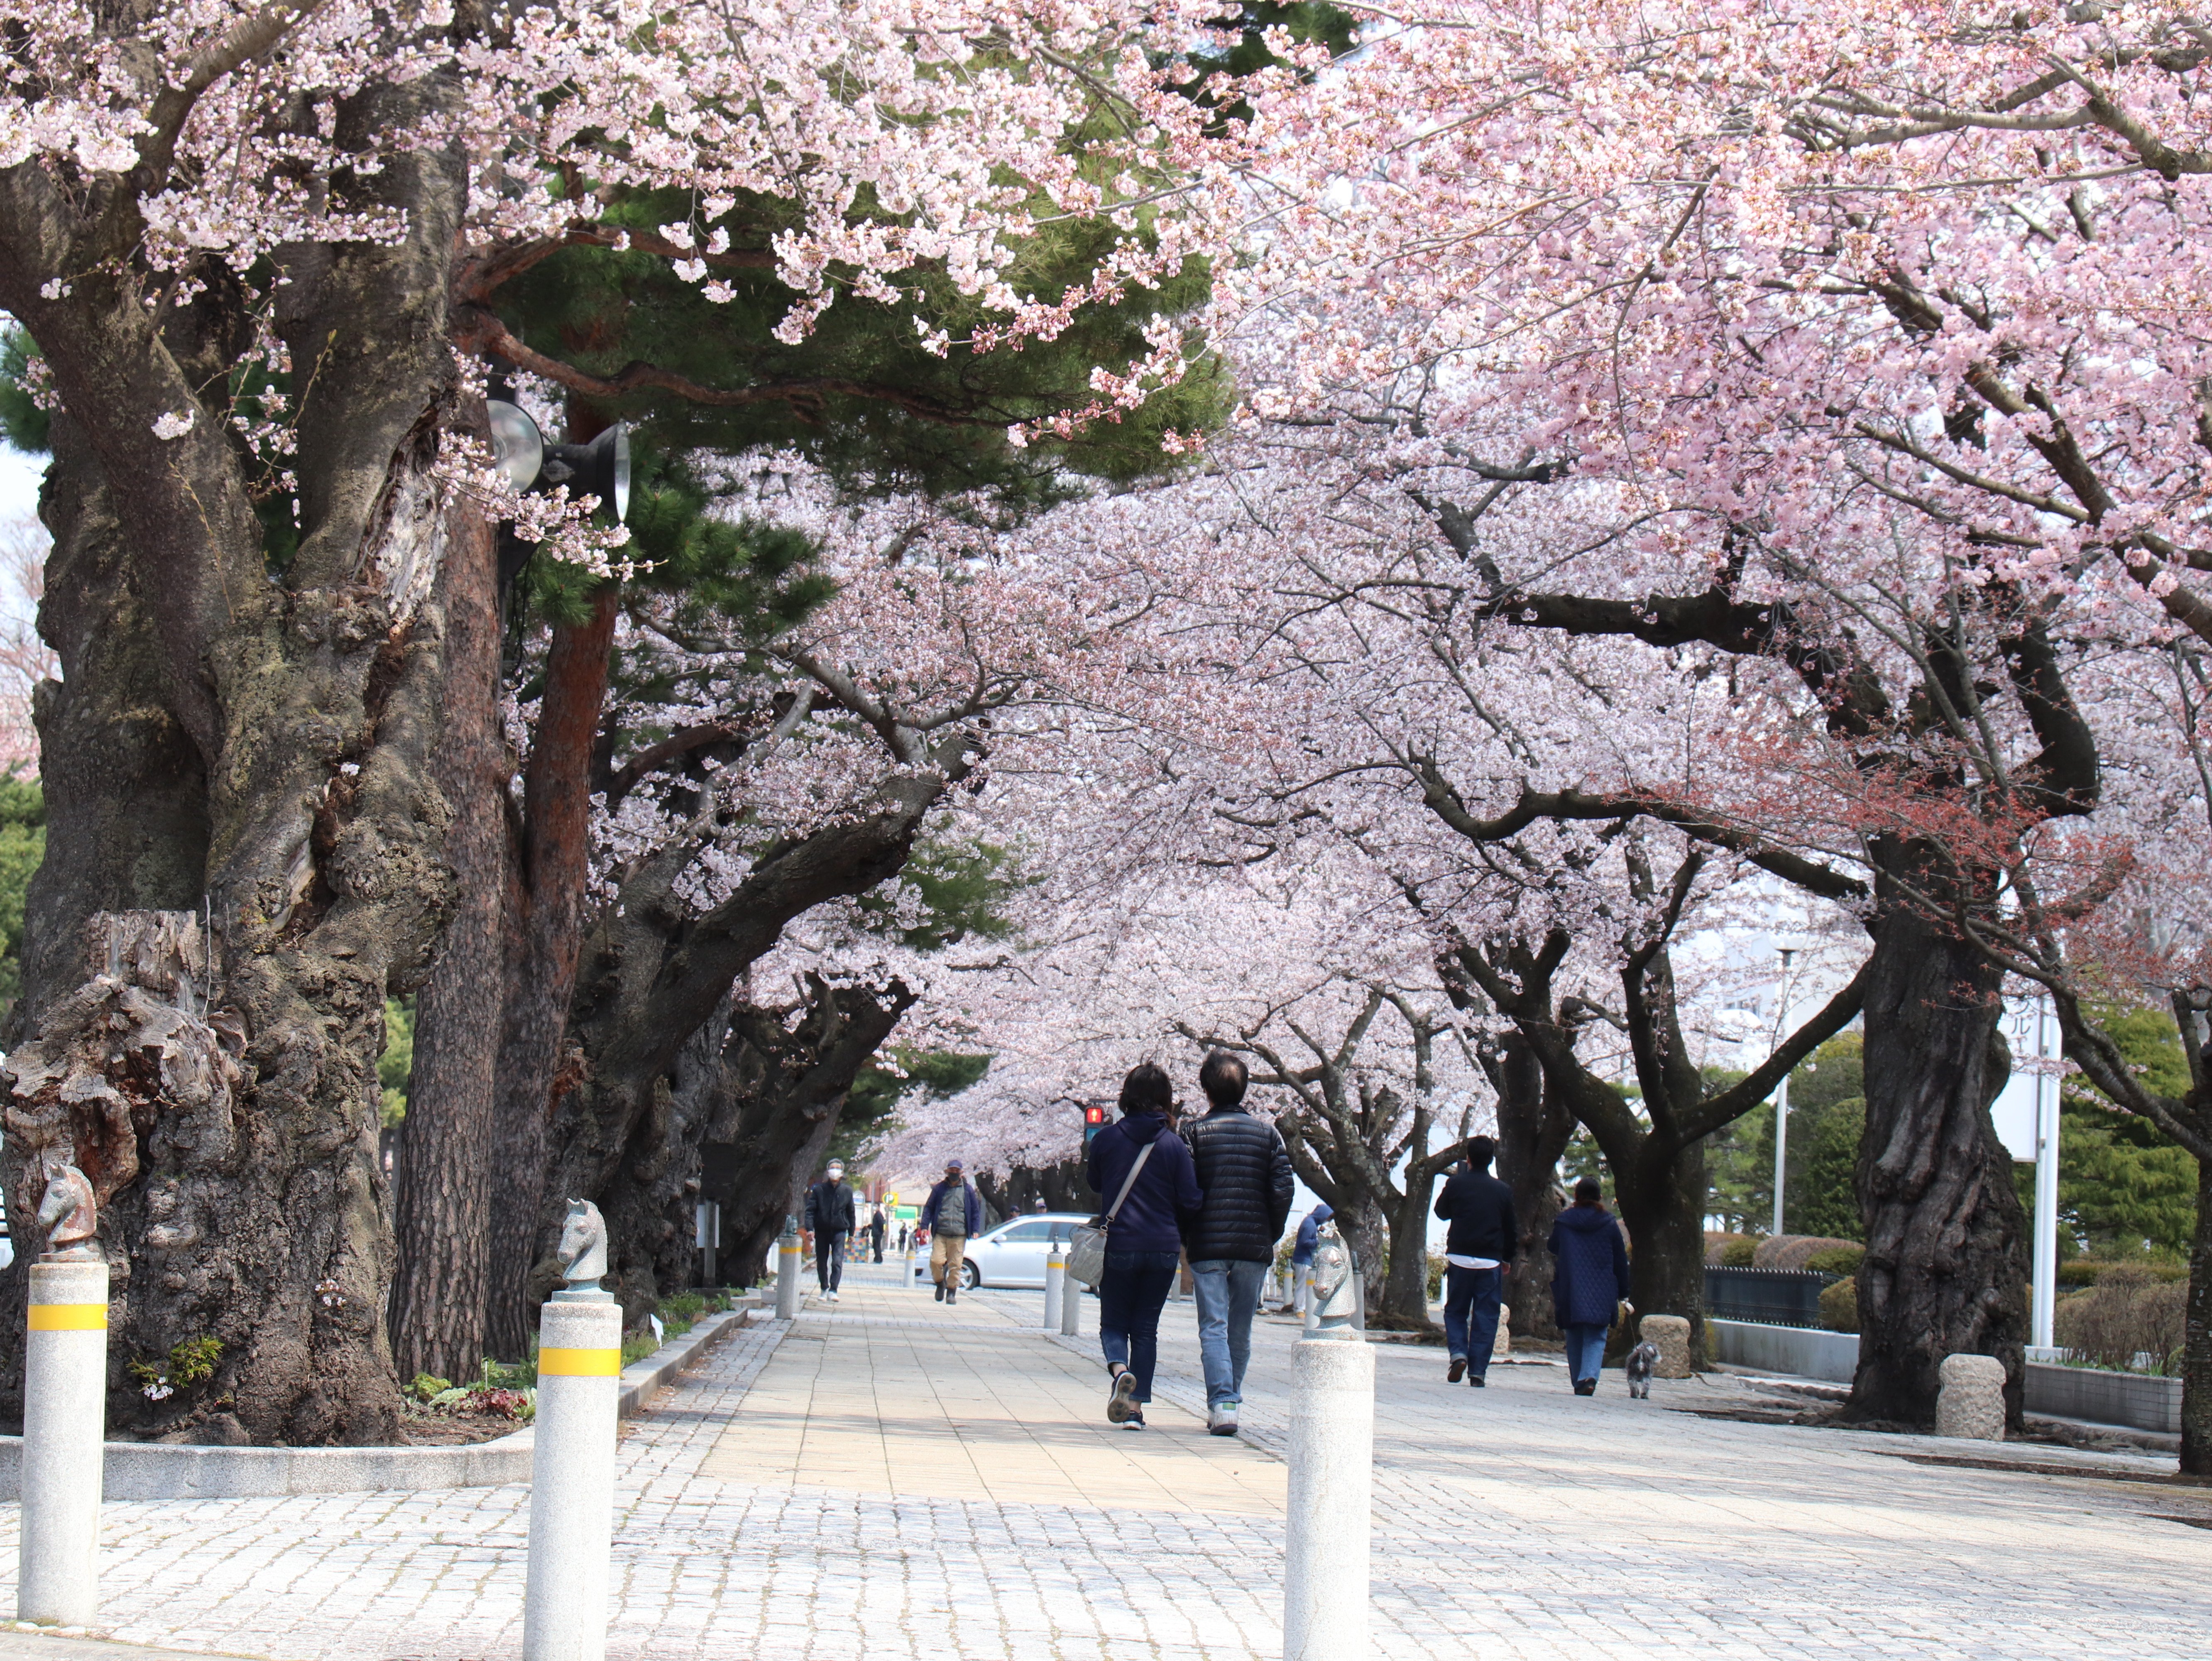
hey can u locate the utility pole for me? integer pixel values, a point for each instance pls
(1782, 1092)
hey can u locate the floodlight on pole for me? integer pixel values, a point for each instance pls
(600, 468)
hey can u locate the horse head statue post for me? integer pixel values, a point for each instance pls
(68, 1212)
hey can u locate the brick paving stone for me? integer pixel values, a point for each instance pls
(887, 1478)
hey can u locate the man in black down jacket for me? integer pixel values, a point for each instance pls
(1485, 1237)
(1245, 1172)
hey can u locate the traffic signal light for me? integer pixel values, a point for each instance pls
(1094, 1121)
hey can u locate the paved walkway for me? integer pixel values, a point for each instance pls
(886, 1478)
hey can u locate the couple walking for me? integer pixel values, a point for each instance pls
(1220, 1193)
(1590, 1279)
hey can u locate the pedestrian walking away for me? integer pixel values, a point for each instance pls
(1483, 1238)
(876, 1224)
(906, 1238)
(1589, 1283)
(1244, 1172)
(951, 1216)
(829, 1217)
(1302, 1256)
(1149, 1168)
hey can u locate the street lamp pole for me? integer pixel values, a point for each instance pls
(2042, 1316)
(1782, 1093)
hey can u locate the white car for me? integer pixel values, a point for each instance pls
(1013, 1254)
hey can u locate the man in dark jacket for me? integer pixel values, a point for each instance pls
(952, 1216)
(829, 1219)
(1245, 1172)
(876, 1226)
(1482, 1241)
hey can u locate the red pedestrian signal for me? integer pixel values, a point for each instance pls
(1094, 1121)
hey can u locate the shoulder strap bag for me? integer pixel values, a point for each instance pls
(1086, 1242)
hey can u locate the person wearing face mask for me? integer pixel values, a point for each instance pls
(831, 1218)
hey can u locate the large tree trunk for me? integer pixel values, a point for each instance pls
(443, 1223)
(1944, 1272)
(1661, 1199)
(549, 900)
(125, 787)
(1062, 1187)
(1534, 1127)
(782, 1092)
(2196, 1342)
(235, 1118)
(654, 970)
(1405, 1299)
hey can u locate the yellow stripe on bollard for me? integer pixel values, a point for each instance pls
(69, 1317)
(579, 1363)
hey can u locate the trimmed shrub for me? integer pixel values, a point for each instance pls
(1790, 1250)
(1719, 1244)
(2130, 1312)
(1838, 1260)
(1839, 1307)
(1738, 1253)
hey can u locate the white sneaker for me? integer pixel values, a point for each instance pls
(833, 1297)
(1222, 1421)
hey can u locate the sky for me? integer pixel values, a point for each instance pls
(19, 483)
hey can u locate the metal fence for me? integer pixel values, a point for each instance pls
(1776, 1297)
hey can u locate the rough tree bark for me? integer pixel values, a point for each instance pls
(782, 1088)
(1061, 1187)
(1534, 1127)
(443, 1214)
(654, 969)
(547, 904)
(312, 703)
(1945, 1267)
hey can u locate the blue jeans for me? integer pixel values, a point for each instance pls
(1228, 1297)
(1471, 1301)
(1130, 1293)
(1585, 1351)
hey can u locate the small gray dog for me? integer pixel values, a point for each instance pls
(1641, 1362)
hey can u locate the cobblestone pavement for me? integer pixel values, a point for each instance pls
(887, 1478)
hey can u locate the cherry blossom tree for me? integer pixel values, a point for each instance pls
(257, 250)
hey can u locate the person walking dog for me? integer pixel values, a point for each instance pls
(1144, 1172)
(1481, 1244)
(951, 1216)
(1589, 1285)
(1244, 1172)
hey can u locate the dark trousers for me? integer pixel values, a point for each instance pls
(1130, 1295)
(1471, 1301)
(876, 1236)
(830, 1259)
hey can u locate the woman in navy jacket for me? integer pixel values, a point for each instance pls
(1590, 1281)
(1144, 1243)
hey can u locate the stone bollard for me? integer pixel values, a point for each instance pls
(787, 1272)
(1055, 1288)
(1969, 1402)
(1502, 1350)
(1070, 1306)
(909, 1282)
(65, 1425)
(1332, 1452)
(1671, 1333)
(572, 1460)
